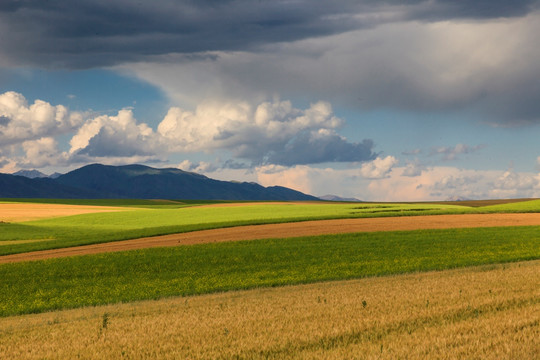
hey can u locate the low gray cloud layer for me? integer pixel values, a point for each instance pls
(319, 147)
(451, 153)
(94, 33)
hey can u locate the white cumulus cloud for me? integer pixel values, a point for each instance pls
(378, 168)
(20, 121)
(42, 152)
(119, 136)
(271, 132)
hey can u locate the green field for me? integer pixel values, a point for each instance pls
(157, 220)
(39, 286)
(151, 218)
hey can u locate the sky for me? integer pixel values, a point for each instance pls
(413, 100)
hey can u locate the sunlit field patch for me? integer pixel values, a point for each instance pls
(19, 212)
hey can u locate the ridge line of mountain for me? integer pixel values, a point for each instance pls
(138, 182)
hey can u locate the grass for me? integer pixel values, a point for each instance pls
(488, 312)
(105, 227)
(188, 270)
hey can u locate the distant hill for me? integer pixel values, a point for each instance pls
(457, 198)
(338, 198)
(55, 175)
(140, 182)
(14, 186)
(31, 174)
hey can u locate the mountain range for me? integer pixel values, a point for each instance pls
(98, 181)
(31, 174)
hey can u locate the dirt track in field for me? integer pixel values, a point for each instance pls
(306, 228)
(15, 212)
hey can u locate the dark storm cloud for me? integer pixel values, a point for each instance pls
(478, 9)
(93, 33)
(96, 33)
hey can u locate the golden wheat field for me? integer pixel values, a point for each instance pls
(18, 212)
(486, 312)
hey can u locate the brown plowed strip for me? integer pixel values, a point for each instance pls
(306, 228)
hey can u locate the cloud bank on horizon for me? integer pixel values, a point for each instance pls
(256, 91)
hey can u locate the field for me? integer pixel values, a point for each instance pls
(283, 230)
(60, 232)
(160, 218)
(475, 313)
(17, 212)
(336, 291)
